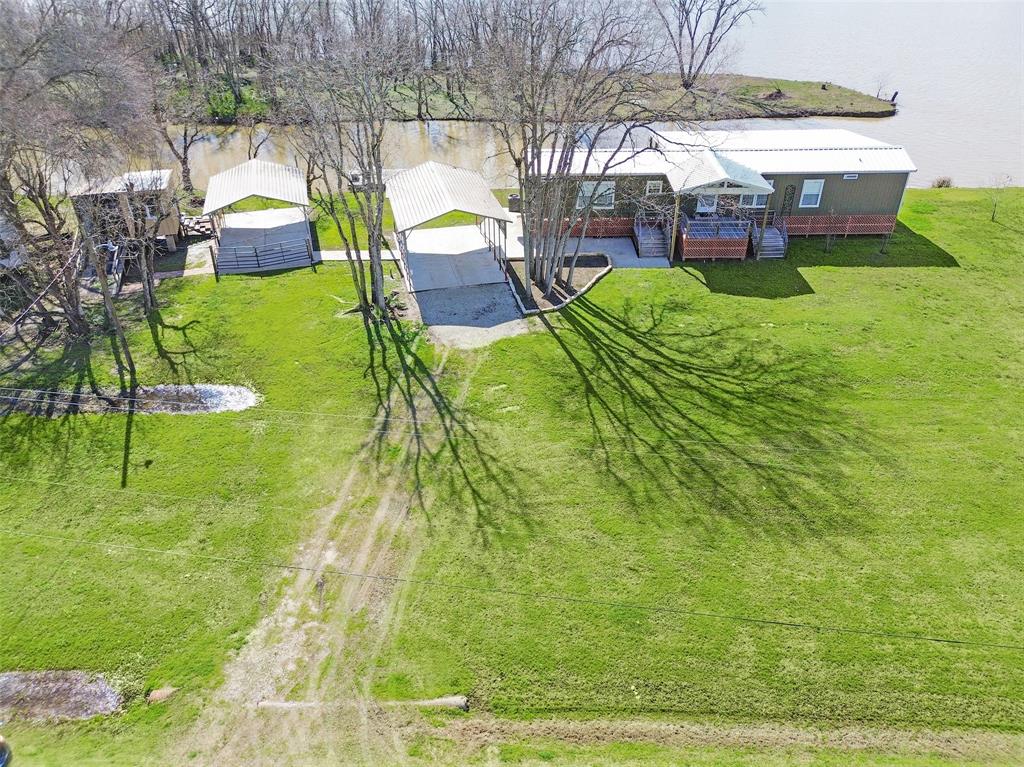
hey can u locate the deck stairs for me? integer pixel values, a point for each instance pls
(651, 239)
(773, 245)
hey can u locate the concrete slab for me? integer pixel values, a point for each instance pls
(620, 250)
(450, 257)
(259, 228)
(470, 316)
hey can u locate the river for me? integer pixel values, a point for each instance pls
(958, 67)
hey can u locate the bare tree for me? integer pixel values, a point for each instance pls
(343, 98)
(697, 31)
(997, 189)
(560, 79)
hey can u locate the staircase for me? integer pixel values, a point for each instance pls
(651, 240)
(773, 245)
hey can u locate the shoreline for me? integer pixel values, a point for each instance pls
(726, 97)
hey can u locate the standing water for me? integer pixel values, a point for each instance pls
(958, 67)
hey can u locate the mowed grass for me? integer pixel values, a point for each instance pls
(328, 236)
(214, 488)
(834, 441)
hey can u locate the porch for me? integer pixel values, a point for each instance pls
(713, 237)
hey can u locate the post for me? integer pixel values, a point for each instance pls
(764, 223)
(675, 231)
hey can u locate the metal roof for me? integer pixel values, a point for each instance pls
(423, 193)
(136, 181)
(828, 150)
(256, 178)
(691, 169)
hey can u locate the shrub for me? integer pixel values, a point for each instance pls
(942, 182)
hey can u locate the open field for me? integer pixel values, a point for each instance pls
(834, 440)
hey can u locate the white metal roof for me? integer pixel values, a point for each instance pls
(688, 169)
(429, 190)
(136, 181)
(827, 150)
(256, 178)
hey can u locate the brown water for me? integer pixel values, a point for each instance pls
(958, 67)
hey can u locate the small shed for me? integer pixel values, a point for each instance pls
(259, 240)
(138, 204)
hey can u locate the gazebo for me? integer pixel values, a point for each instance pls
(259, 240)
(430, 190)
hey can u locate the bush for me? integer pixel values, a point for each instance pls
(942, 182)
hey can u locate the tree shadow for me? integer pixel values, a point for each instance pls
(420, 406)
(741, 428)
(782, 278)
(178, 359)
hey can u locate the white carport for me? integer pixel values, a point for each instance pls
(453, 256)
(261, 240)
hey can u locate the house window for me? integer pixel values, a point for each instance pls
(707, 203)
(850, 176)
(753, 200)
(150, 212)
(654, 187)
(810, 194)
(600, 195)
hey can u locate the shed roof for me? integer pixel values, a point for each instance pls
(136, 181)
(256, 178)
(429, 190)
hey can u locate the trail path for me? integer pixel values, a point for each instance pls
(298, 691)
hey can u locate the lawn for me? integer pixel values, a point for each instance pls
(225, 485)
(835, 440)
(327, 232)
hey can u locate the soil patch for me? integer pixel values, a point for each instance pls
(980, 746)
(588, 266)
(165, 398)
(55, 695)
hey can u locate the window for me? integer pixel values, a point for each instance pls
(810, 194)
(755, 200)
(150, 212)
(707, 203)
(654, 187)
(598, 194)
(850, 177)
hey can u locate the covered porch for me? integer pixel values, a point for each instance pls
(720, 212)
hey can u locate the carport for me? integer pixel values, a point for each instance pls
(259, 240)
(450, 257)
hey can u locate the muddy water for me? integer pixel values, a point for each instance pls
(958, 67)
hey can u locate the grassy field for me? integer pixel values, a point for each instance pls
(834, 440)
(222, 485)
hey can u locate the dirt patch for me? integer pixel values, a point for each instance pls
(981, 746)
(588, 267)
(56, 695)
(165, 398)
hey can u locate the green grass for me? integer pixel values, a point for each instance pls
(226, 485)
(327, 231)
(833, 440)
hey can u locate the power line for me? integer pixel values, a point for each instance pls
(536, 595)
(38, 298)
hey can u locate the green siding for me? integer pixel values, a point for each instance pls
(868, 193)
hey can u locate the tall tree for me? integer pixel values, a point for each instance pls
(560, 78)
(343, 97)
(697, 31)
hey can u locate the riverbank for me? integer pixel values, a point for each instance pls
(722, 97)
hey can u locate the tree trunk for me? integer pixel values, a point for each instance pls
(100, 263)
